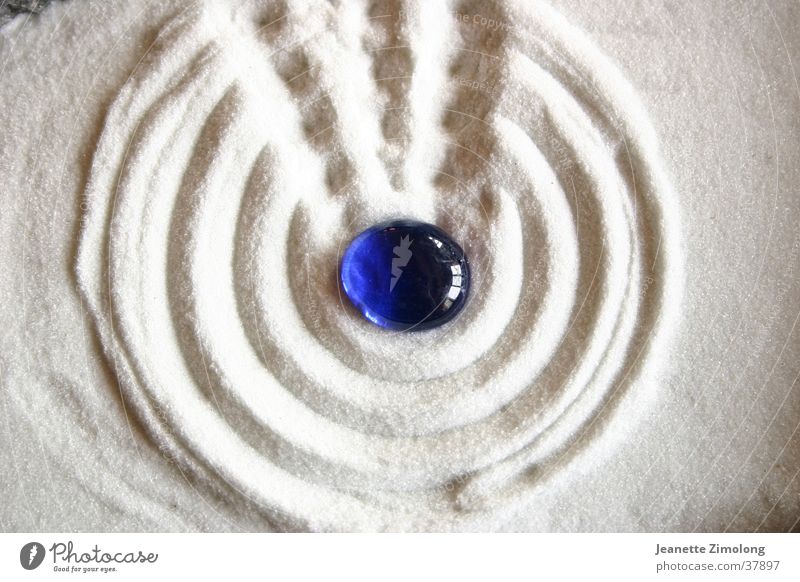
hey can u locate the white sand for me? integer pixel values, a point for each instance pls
(176, 354)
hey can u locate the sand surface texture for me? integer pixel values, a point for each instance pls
(179, 183)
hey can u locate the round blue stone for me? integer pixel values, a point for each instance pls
(406, 275)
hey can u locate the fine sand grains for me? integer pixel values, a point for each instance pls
(251, 143)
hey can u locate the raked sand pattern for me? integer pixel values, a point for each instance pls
(251, 144)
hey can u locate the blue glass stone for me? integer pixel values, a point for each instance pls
(406, 275)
